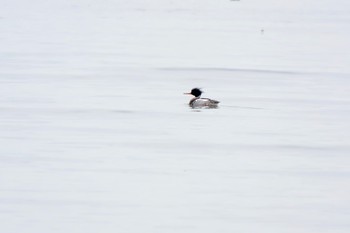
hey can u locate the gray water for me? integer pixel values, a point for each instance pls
(96, 134)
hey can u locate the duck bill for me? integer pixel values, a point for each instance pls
(187, 94)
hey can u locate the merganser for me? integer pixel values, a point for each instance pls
(198, 102)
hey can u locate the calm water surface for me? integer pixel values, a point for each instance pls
(96, 135)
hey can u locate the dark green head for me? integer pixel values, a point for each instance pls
(196, 92)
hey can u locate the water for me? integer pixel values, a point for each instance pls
(96, 135)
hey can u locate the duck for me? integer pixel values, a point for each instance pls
(198, 102)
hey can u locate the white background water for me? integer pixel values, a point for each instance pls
(96, 136)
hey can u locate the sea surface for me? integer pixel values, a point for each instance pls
(97, 136)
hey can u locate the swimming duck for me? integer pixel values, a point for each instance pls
(198, 102)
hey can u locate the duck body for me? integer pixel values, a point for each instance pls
(198, 102)
(203, 103)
